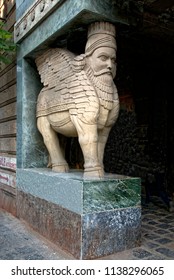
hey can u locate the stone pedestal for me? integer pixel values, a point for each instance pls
(88, 219)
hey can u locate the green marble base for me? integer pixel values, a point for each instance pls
(89, 219)
(112, 192)
(71, 191)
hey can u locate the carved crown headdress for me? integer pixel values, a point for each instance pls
(100, 34)
(101, 28)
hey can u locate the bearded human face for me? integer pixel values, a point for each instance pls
(103, 63)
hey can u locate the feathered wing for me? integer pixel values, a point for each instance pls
(66, 86)
(52, 64)
(54, 67)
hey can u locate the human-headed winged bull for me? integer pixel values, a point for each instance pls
(74, 103)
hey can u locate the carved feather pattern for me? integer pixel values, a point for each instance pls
(66, 85)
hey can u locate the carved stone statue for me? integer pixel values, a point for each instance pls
(79, 99)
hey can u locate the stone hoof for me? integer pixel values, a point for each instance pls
(95, 173)
(60, 168)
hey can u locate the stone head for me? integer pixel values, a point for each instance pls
(100, 50)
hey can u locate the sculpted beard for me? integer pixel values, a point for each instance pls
(103, 83)
(105, 76)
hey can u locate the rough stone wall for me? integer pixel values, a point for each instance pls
(141, 142)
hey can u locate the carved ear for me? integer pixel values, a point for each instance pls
(78, 63)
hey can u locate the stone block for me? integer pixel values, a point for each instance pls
(87, 218)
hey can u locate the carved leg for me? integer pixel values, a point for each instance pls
(88, 139)
(102, 139)
(51, 141)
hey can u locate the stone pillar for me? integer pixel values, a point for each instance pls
(30, 149)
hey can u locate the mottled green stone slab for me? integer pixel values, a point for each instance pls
(71, 191)
(111, 194)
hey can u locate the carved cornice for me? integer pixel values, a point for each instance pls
(38, 11)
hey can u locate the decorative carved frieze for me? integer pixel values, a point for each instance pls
(35, 14)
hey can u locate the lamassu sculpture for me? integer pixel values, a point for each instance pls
(79, 99)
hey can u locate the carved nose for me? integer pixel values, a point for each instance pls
(109, 66)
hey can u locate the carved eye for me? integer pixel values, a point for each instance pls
(114, 60)
(103, 57)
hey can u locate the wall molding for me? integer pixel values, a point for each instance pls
(37, 12)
